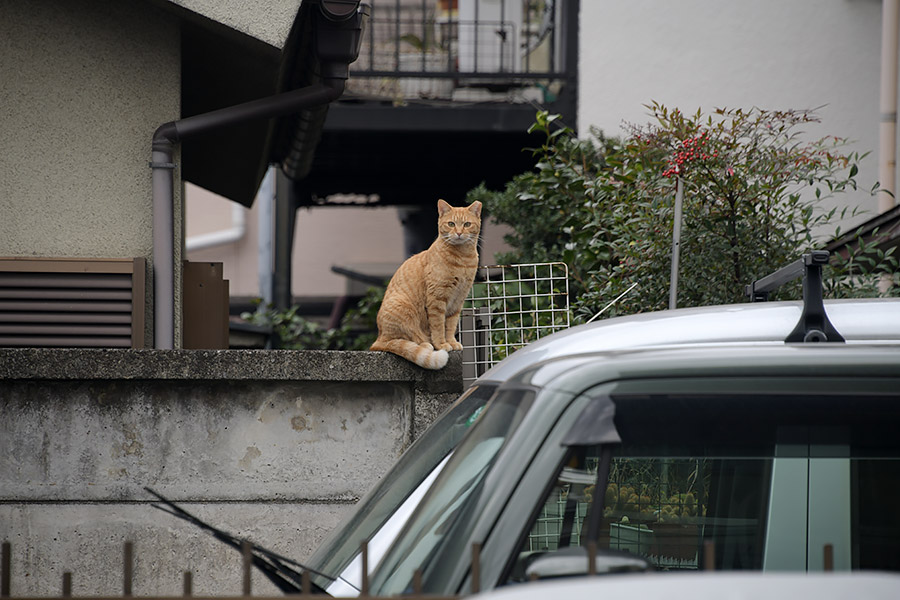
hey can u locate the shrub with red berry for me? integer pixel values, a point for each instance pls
(755, 198)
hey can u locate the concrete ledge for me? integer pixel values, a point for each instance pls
(280, 365)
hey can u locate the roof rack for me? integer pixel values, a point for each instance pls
(813, 325)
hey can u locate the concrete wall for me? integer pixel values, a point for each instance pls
(707, 54)
(84, 85)
(275, 446)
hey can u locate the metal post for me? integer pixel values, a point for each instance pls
(128, 570)
(592, 558)
(67, 584)
(247, 562)
(476, 568)
(828, 558)
(5, 570)
(305, 583)
(709, 555)
(364, 552)
(676, 244)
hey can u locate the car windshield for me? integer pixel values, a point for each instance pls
(384, 510)
(762, 483)
(450, 498)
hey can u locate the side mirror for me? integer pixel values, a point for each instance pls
(573, 561)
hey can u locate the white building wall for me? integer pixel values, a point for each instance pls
(771, 54)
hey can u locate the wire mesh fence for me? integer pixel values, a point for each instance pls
(510, 306)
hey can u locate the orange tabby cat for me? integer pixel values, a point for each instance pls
(418, 317)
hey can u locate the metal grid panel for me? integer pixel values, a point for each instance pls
(508, 307)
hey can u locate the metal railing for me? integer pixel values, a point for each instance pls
(468, 43)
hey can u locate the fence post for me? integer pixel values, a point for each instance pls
(709, 555)
(592, 558)
(828, 556)
(128, 569)
(364, 552)
(305, 583)
(476, 568)
(417, 582)
(5, 570)
(247, 562)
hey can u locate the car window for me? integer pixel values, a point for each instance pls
(769, 480)
(448, 501)
(339, 555)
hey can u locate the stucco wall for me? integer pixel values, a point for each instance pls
(85, 83)
(271, 25)
(707, 53)
(275, 446)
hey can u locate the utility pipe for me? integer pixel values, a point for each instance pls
(887, 168)
(163, 181)
(222, 236)
(264, 227)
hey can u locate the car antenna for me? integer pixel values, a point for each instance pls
(813, 325)
(620, 296)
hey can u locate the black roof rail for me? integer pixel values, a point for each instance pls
(813, 325)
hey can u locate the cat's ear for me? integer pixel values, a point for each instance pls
(475, 208)
(443, 207)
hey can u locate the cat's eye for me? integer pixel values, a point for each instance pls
(467, 224)
(451, 224)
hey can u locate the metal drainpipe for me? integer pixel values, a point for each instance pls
(162, 163)
(220, 237)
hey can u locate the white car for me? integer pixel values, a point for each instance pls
(710, 586)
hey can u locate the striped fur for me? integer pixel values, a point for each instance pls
(420, 311)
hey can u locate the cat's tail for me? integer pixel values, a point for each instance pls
(422, 354)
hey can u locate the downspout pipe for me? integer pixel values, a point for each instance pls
(221, 237)
(165, 138)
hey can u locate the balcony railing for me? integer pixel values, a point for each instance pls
(467, 50)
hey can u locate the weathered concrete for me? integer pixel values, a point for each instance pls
(271, 445)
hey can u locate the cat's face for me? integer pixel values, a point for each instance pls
(459, 225)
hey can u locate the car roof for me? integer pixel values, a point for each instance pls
(869, 321)
(708, 586)
(574, 373)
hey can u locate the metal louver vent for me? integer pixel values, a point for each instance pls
(72, 303)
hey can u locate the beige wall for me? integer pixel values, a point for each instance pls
(325, 236)
(83, 86)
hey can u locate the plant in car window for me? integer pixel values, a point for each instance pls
(648, 492)
(755, 198)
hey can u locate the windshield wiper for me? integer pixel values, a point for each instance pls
(279, 569)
